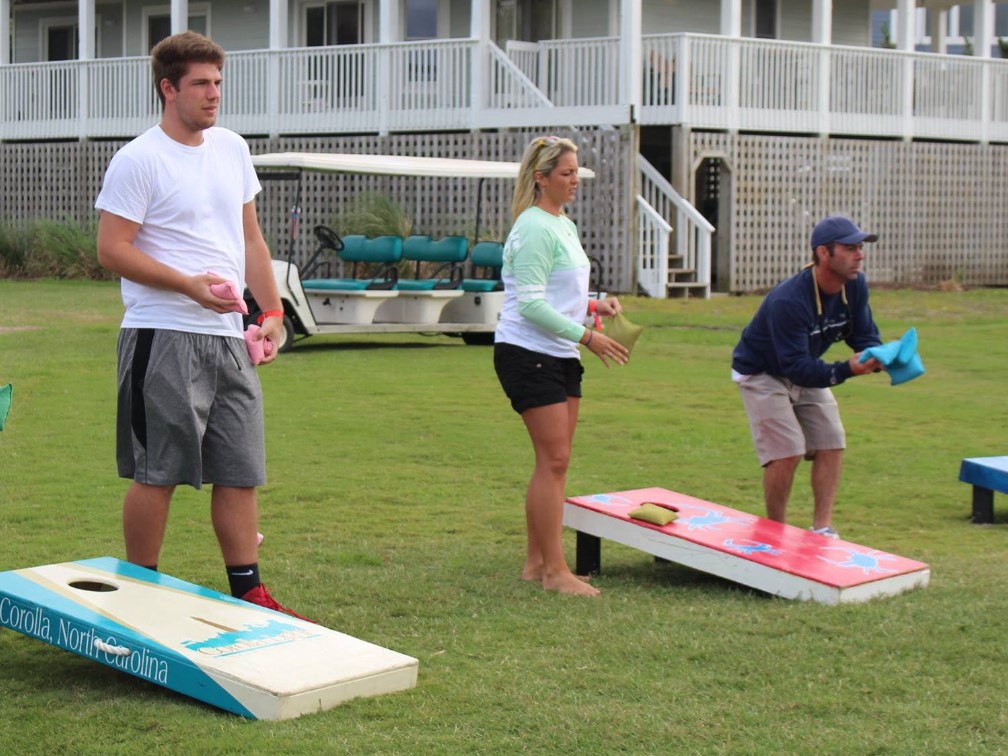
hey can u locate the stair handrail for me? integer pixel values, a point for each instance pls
(653, 233)
(693, 236)
(515, 81)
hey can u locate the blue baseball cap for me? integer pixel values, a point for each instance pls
(836, 228)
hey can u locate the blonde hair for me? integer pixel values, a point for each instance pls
(542, 156)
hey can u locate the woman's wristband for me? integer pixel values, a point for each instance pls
(586, 343)
(593, 311)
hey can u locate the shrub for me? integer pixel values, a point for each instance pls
(374, 214)
(50, 249)
(13, 249)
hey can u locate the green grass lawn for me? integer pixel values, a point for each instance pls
(394, 513)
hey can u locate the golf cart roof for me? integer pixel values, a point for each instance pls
(392, 165)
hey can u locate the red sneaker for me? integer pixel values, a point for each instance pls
(261, 597)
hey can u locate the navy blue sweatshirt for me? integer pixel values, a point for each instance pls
(787, 337)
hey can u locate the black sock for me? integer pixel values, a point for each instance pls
(243, 578)
(149, 567)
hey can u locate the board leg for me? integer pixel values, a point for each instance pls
(589, 554)
(983, 505)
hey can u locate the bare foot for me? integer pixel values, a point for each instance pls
(570, 583)
(533, 571)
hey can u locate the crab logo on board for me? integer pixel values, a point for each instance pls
(749, 547)
(247, 638)
(711, 519)
(610, 499)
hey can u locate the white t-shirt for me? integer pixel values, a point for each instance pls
(189, 203)
(545, 277)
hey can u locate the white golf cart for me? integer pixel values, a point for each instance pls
(462, 298)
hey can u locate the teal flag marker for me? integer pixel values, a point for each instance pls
(5, 402)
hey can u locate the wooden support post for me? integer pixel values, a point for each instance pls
(589, 554)
(983, 506)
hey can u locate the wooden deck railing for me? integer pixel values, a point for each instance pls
(697, 80)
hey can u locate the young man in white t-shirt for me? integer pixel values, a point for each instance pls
(176, 203)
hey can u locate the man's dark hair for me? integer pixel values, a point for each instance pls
(171, 57)
(830, 247)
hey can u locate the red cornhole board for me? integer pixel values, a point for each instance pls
(780, 559)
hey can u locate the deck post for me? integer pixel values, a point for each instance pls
(983, 25)
(905, 16)
(479, 30)
(5, 16)
(822, 35)
(277, 42)
(179, 16)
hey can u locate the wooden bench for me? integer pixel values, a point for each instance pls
(986, 475)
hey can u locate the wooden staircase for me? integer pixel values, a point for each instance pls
(674, 240)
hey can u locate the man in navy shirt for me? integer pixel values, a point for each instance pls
(784, 381)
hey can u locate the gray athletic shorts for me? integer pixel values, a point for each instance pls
(788, 420)
(189, 410)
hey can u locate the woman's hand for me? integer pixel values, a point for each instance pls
(606, 349)
(608, 307)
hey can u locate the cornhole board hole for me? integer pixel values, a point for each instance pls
(237, 656)
(779, 559)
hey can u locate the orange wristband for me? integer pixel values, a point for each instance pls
(593, 310)
(269, 314)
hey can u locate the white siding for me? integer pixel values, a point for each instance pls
(110, 30)
(590, 18)
(795, 20)
(459, 18)
(668, 16)
(852, 24)
(234, 28)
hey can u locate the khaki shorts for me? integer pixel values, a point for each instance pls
(788, 420)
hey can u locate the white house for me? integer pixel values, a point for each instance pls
(763, 114)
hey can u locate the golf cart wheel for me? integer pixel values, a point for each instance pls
(286, 335)
(477, 338)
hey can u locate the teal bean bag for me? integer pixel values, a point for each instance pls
(899, 357)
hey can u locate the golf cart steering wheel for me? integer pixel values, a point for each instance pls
(328, 238)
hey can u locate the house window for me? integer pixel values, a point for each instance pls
(59, 39)
(765, 19)
(336, 23)
(421, 19)
(965, 14)
(158, 25)
(61, 42)
(158, 28)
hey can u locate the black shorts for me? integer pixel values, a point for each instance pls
(533, 379)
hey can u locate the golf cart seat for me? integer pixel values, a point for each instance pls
(379, 256)
(449, 253)
(487, 256)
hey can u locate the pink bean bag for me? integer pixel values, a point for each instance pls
(229, 290)
(258, 349)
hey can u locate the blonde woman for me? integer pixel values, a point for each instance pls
(536, 356)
